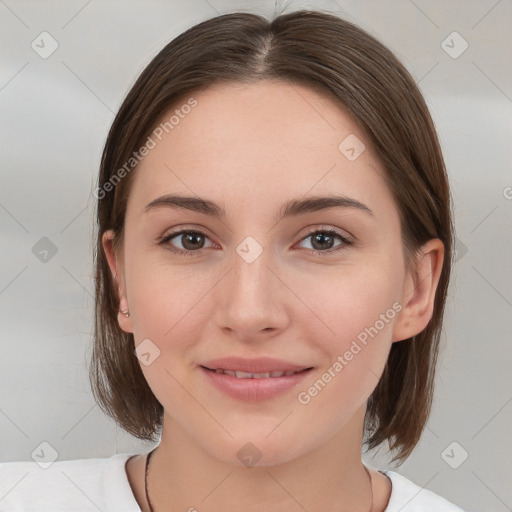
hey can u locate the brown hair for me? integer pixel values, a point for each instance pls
(331, 55)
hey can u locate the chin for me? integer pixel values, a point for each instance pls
(257, 450)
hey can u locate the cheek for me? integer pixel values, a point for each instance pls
(162, 297)
(361, 310)
(352, 303)
(167, 307)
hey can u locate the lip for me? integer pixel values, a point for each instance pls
(253, 389)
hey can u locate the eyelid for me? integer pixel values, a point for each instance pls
(346, 239)
(169, 235)
(330, 229)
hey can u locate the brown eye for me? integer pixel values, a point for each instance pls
(191, 242)
(324, 240)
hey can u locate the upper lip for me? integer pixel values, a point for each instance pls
(256, 365)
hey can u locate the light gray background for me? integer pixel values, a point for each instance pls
(55, 116)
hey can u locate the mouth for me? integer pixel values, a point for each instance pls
(253, 380)
(239, 374)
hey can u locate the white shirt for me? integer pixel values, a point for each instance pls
(84, 485)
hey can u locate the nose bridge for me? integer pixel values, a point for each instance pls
(250, 296)
(251, 272)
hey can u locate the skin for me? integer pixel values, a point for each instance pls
(250, 148)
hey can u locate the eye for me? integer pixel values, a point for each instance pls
(192, 242)
(322, 241)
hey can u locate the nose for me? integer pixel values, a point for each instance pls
(252, 299)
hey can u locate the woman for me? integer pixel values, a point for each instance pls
(273, 254)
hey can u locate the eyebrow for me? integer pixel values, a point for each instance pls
(291, 208)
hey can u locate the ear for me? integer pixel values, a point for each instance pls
(419, 291)
(117, 269)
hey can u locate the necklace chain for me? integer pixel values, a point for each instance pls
(151, 507)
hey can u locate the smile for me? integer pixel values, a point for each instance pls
(250, 375)
(254, 386)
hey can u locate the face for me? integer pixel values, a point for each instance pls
(317, 291)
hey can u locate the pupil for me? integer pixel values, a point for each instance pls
(318, 238)
(191, 236)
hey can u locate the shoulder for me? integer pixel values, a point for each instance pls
(69, 485)
(406, 496)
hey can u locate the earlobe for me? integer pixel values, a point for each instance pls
(124, 321)
(419, 291)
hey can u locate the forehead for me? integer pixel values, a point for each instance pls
(255, 143)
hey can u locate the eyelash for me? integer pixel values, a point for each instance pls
(167, 238)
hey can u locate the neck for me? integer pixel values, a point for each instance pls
(183, 475)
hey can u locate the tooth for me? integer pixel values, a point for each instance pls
(244, 375)
(250, 375)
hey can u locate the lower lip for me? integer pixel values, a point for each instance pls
(254, 390)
